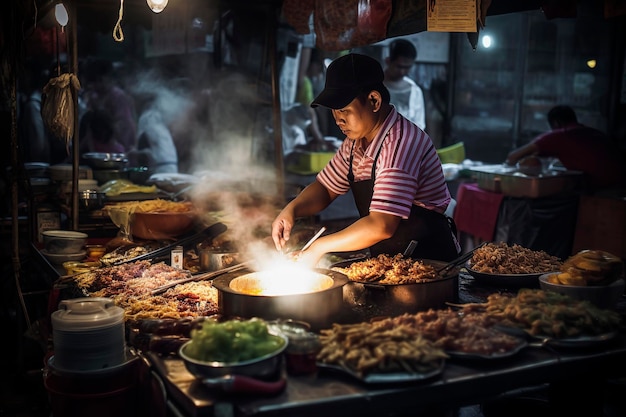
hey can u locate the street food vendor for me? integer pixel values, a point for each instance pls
(390, 165)
(578, 147)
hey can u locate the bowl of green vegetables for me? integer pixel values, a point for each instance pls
(234, 347)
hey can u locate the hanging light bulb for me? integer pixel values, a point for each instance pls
(60, 13)
(157, 6)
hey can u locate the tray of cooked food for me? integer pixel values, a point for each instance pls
(376, 354)
(504, 265)
(549, 318)
(130, 286)
(462, 335)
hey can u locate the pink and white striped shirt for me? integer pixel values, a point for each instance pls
(408, 169)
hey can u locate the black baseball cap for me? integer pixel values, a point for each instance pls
(347, 77)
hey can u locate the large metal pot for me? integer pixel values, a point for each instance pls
(319, 308)
(369, 300)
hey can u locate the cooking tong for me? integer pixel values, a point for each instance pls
(199, 277)
(458, 261)
(210, 232)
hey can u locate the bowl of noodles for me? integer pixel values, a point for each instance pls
(154, 219)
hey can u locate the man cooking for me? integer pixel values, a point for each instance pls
(390, 165)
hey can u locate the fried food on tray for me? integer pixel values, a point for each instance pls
(129, 285)
(370, 348)
(547, 313)
(467, 332)
(385, 269)
(123, 253)
(500, 258)
(154, 206)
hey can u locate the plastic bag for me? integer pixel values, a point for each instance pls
(57, 106)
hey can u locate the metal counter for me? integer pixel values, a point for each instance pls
(327, 394)
(578, 372)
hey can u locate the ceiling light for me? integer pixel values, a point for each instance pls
(157, 6)
(487, 41)
(60, 13)
(591, 63)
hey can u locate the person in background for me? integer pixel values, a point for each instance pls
(406, 95)
(579, 148)
(102, 93)
(155, 143)
(96, 134)
(310, 73)
(390, 165)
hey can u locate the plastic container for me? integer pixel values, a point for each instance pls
(95, 252)
(453, 154)
(302, 349)
(88, 334)
(310, 162)
(177, 257)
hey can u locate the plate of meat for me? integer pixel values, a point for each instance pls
(375, 353)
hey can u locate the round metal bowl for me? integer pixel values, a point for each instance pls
(319, 308)
(264, 367)
(92, 200)
(603, 296)
(64, 241)
(212, 260)
(101, 160)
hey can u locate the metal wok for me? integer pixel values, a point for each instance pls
(370, 300)
(319, 308)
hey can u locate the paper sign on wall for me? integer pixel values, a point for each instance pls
(451, 15)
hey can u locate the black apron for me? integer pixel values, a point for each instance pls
(433, 231)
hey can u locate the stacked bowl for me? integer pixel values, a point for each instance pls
(64, 245)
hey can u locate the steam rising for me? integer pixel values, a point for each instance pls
(223, 137)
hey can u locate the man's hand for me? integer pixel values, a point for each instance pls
(281, 231)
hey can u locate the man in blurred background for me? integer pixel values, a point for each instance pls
(406, 95)
(579, 148)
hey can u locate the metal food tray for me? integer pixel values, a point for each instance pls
(510, 182)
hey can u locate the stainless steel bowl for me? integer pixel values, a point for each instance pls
(64, 241)
(264, 367)
(92, 200)
(211, 260)
(101, 160)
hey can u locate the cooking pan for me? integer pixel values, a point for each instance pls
(371, 299)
